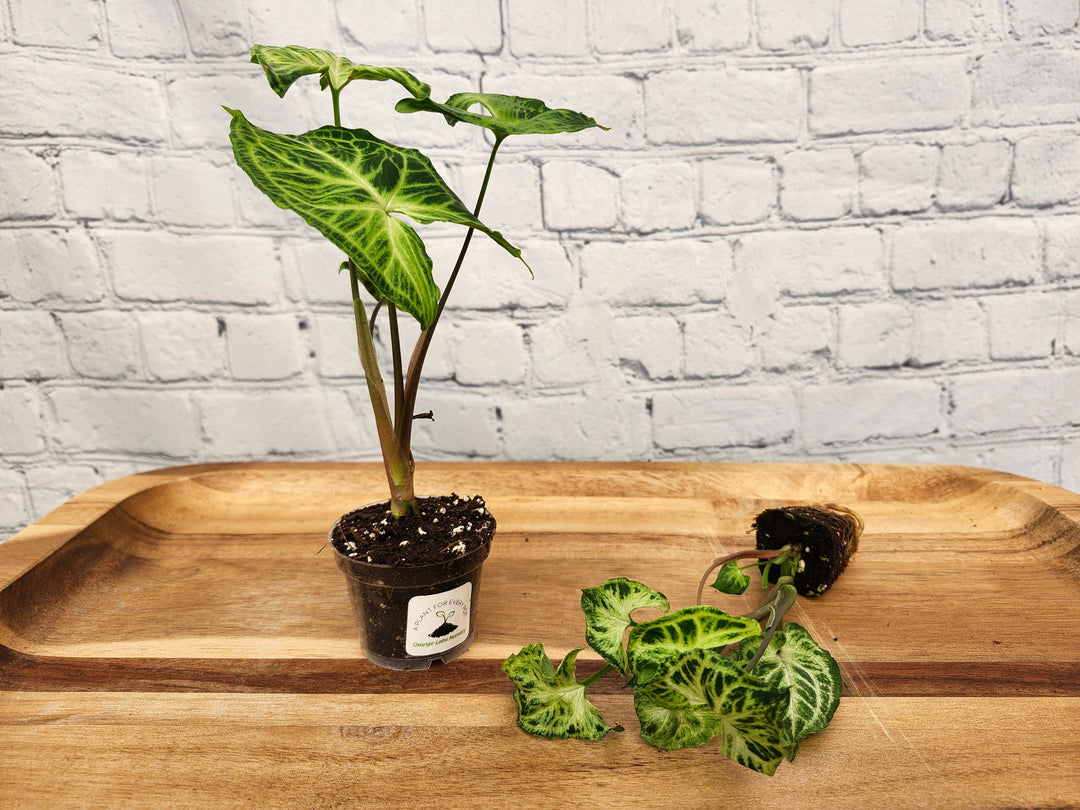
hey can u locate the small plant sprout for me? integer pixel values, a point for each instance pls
(357, 190)
(754, 681)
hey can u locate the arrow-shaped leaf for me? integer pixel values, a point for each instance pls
(284, 65)
(673, 709)
(551, 703)
(607, 610)
(347, 184)
(731, 579)
(503, 115)
(793, 661)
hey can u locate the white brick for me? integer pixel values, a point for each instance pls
(1024, 326)
(1029, 399)
(737, 190)
(491, 279)
(193, 191)
(512, 202)
(820, 262)
(215, 27)
(160, 266)
(977, 253)
(818, 184)
(626, 26)
(575, 427)
(948, 331)
(453, 25)
(967, 20)
(349, 420)
(28, 183)
(142, 29)
(647, 345)
(1036, 460)
(488, 352)
(264, 347)
(1036, 18)
(974, 175)
(795, 337)
(31, 346)
(626, 273)
(1071, 330)
(396, 32)
(316, 262)
(40, 265)
(120, 420)
(54, 485)
(1027, 86)
(13, 500)
(1062, 247)
(724, 416)
(878, 22)
(539, 29)
(311, 22)
(785, 26)
(47, 101)
(712, 25)
(336, 348)
(744, 105)
(465, 425)
(85, 173)
(903, 93)
(1047, 169)
(848, 412)
(1070, 466)
(578, 196)
(715, 345)
(875, 335)
(572, 349)
(102, 343)
(897, 179)
(71, 24)
(20, 421)
(182, 345)
(659, 196)
(264, 422)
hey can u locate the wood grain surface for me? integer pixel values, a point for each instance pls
(182, 638)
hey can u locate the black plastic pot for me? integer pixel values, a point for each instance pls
(410, 617)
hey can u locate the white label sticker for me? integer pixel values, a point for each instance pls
(438, 622)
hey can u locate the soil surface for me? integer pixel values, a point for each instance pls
(444, 527)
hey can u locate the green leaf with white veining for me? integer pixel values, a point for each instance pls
(607, 610)
(731, 579)
(284, 65)
(673, 708)
(794, 662)
(551, 702)
(752, 715)
(348, 184)
(503, 115)
(652, 644)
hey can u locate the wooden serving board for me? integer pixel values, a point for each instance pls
(182, 638)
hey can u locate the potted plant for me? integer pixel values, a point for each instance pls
(412, 563)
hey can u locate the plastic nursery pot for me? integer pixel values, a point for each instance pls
(411, 616)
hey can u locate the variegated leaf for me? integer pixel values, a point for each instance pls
(794, 662)
(284, 65)
(348, 184)
(752, 716)
(673, 708)
(551, 703)
(607, 610)
(731, 579)
(503, 115)
(653, 644)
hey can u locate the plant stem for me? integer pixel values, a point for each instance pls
(399, 384)
(761, 554)
(780, 604)
(416, 362)
(604, 670)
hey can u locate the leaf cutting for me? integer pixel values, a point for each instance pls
(755, 683)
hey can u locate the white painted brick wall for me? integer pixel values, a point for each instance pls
(831, 229)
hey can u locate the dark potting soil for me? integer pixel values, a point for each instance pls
(443, 528)
(828, 536)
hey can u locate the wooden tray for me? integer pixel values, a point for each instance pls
(182, 638)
